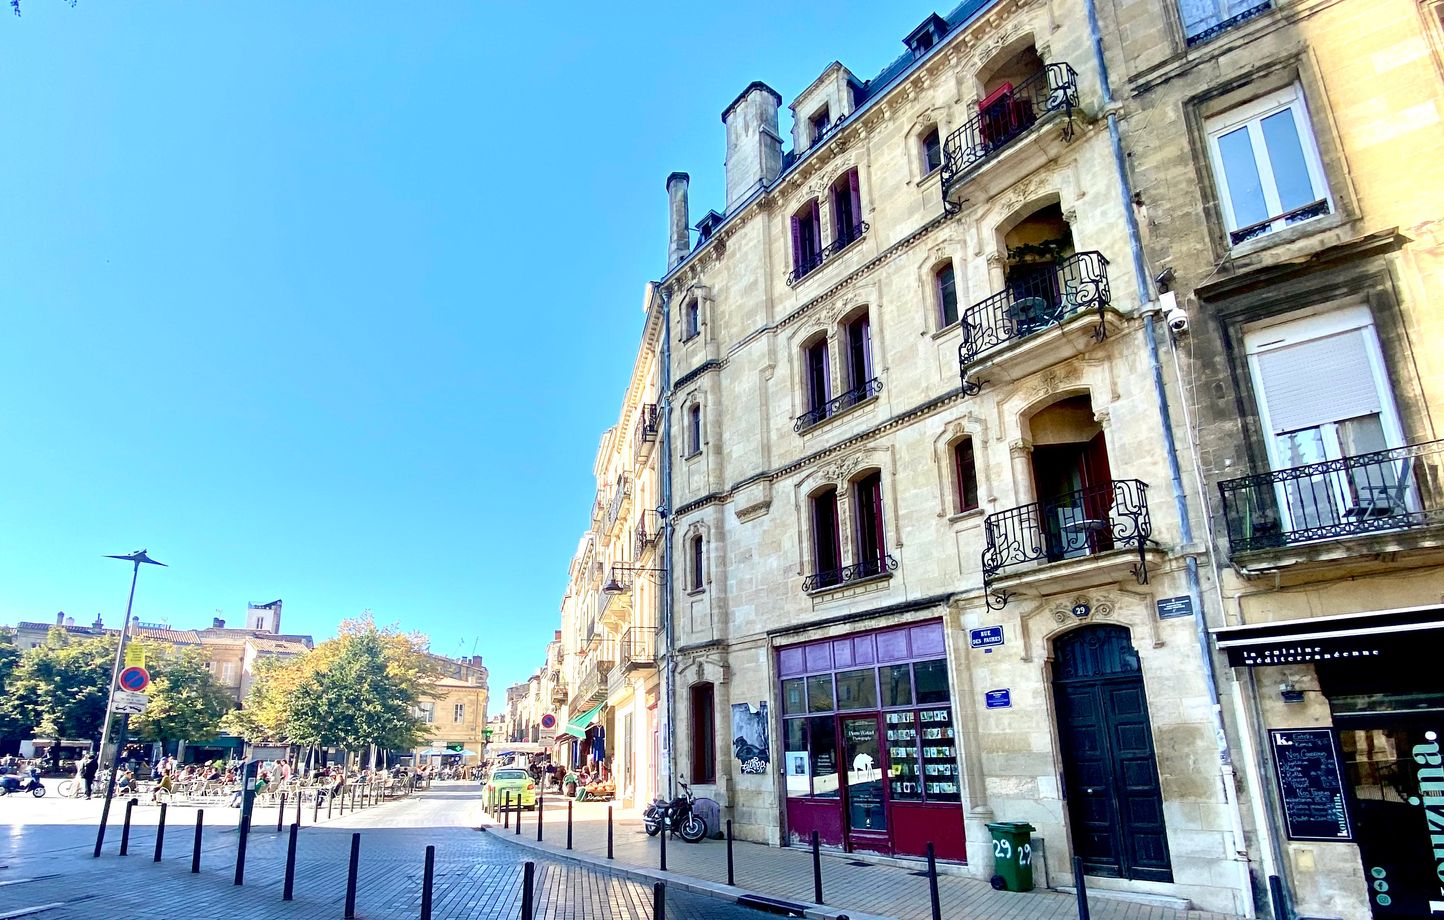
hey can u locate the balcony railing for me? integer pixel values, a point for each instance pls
(648, 427)
(806, 264)
(884, 565)
(620, 492)
(1007, 117)
(1229, 23)
(1112, 515)
(838, 403)
(1033, 303)
(1393, 489)
(1288, 218)
(638, 648)
(649, 529)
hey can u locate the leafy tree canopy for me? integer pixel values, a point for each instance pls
(185, 700)
(59, 689)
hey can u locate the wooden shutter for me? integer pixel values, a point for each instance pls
(852, 188)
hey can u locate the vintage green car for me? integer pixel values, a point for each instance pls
(511, 780)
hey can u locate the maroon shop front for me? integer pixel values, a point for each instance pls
(870, 749)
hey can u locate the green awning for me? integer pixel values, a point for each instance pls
(577, 727)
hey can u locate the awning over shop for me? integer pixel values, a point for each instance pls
(1352, 636)
(577, 727)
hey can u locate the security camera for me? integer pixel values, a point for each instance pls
(1173, 314)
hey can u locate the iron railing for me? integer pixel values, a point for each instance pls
(638, 648)
(620, 493)
(883, 565)
(1031, 304)
(1393, 489)
(1008, 117)
(1111, 515)
(805, 266)
(648, 426)
(838, 403)
(1297, 215)
(1221, 27)
(649, 528)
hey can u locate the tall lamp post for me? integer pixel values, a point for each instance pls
(136, 559)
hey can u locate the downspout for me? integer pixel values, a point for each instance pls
(664, 409)
(1175, 475)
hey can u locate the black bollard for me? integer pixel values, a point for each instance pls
(196, 849)
(731, 879)
(330, 800)
(816, 869)
(241, 851)
(125, 829)
(933, 898)
(665, 833)
(160, 832)
(428, 873)
(316, 808)
(281, 813)
(539, 802)
(609, 832)
(506, 812)
(298, 806)
(351, 876)
(517, 830)
(528, 873)
(659, 900)
(569, 824)
(1082, 886)
(290, 884)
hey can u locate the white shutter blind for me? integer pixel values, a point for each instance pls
(1318, 381)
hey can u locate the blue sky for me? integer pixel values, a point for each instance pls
(331, 301)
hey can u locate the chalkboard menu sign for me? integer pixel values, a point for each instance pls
(1311, 784)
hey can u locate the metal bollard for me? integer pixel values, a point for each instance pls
(659, 900)
(528, 873)
(569, 824)
(351, 872)
(933, 898)
(298, 807)
(731, 879)
(125, 829)
(506, 812)
(281, 813)
(241, 851)
(428, 874)
(330, 800)
(196, 849)
(160, 832)
(816, 869)
(517, 831)
(609, 832)
(540, 800)
(290, 884)
(316, 808)
(665, 833)
(1082, 886)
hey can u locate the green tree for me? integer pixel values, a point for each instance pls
(264, 714)
(186, 703)
(13, 724)
(60, 688)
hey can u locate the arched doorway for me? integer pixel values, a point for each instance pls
(1110, 772)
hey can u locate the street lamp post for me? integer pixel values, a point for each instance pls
(135, 558)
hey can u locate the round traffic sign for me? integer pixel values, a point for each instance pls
(548, 721)
(134, 679)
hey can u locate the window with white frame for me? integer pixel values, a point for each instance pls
(1266, 166)
(458, 713)
(428, 712)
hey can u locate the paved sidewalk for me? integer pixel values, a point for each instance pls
(850, 886)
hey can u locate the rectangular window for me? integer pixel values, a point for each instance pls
(428, 712)
(704, 735)
(870, 544)
(846, 209)
(822, 733)
(819, 389)
(228, 672)
(857, 689)
(897, 685)
(826, 542)
(932, 151)
(458, 713)
(806, 239)
(819, 124)
(965, 476)
(1202, 19)
(859, 352)
(696, 568)
(1266, 166)
(694, 430)
(947, 295)
(692, 323)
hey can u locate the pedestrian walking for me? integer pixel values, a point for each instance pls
(88, 768)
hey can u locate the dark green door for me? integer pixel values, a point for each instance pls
(1110, 773)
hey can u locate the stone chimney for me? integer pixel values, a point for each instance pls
(60, 618)
(679, 243)
(70, 621)
(217, 623)
(99, 623)
(754, 145)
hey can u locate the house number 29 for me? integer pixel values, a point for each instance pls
(1002, 849)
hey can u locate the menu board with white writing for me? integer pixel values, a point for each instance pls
(1311, 784)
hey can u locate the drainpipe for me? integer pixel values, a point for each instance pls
(669, 666)
(1195, 593)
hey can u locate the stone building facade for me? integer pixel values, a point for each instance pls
(455, 713)
(1288, 160)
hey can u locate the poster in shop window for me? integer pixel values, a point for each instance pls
(749, 736)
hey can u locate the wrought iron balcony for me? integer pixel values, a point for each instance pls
(837, 404)
(592, 678)
(1032, 304)
(647, 429)
(638, 648)
(649, 529)
(806, 264)
(1113, 515)
(1297, 215)
(1008, 117)
(1385, 490)
(1229, 23)
(846, 239)
(880, 567)
(620, 493)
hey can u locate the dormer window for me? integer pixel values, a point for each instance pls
(925, 36)
(819, 123)
(707, 226)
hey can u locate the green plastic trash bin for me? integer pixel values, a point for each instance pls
(1012, 855)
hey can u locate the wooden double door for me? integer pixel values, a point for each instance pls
(1110, 770)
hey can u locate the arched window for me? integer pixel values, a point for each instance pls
(932, 150)
(702, 701)
(946, 283)
(694, 564)
(846, 209)
(806, 239)
(826, 541)
(965, 476)
(694, 430)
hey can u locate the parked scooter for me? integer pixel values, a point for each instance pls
(28, 782)
(677, 815)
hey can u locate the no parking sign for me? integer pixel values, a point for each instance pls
(134, 679)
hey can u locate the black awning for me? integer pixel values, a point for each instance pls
(1358, 636)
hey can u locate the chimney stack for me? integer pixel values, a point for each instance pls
(60, 618)
(679, 243)
(217, 623)
(99, 623)
(754, 145)
(70, 621)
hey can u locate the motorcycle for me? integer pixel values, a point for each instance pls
(677, 815)
(30, 783)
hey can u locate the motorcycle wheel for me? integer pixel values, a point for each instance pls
(38, 792)
(651, 827)
(4, 790)
(693, 829)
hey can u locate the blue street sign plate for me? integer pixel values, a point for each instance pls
(999, 699)
(985, 637)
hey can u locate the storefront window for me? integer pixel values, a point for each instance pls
(819, 693)
(795, 760)
(897, 685)
(793, 702)
(932, 681)
(857, 689)
(823, 735)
